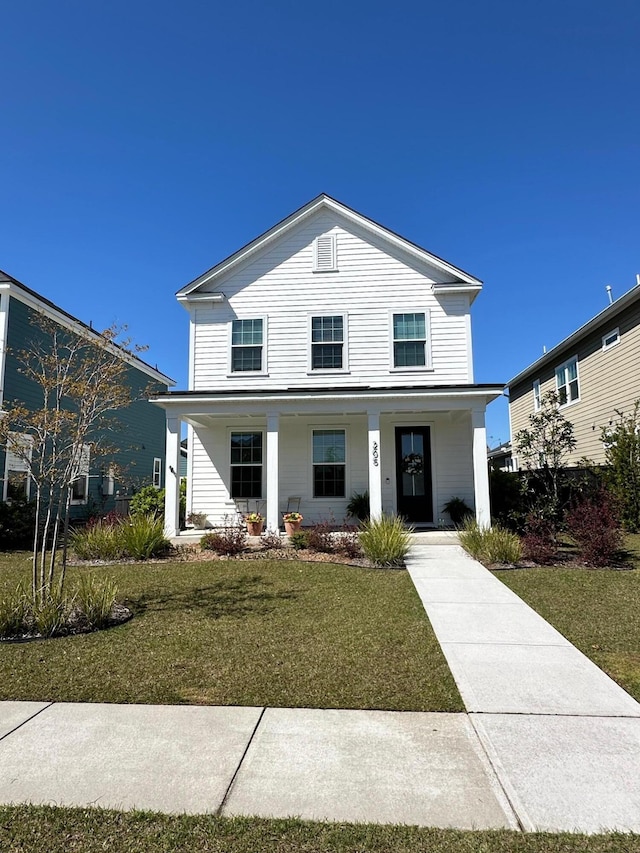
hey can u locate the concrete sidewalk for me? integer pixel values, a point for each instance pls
(563, 738)
(370, 766)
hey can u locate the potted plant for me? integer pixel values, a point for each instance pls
(292, 522)
(197, 520)
(255, 523)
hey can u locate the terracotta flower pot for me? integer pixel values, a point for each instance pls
(292, 526)
(254, 528)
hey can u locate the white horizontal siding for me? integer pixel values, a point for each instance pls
(369, 285)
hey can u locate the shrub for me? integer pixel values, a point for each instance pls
(98, 541)
(148, 501)
(228, 540)
(319, 538)
(299, 540)
(358, 506)
(490, 544)
(142, 537)
(457, 510)
(347, 542)
(271, 540)
(594, 526)
(539, 540)
(95, 598)
(386, 541)
(15, 608)
(17, 524)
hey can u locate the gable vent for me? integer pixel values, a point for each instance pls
(325, 253)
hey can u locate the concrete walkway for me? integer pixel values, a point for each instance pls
(562, 737)
(549, 741)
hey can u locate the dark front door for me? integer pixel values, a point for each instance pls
(413, 473)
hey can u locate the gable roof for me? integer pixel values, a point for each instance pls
(605, 317)
(40, 303)
(463, 279)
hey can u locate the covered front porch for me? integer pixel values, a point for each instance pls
(411, 449)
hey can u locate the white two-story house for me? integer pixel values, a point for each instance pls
(329, 357)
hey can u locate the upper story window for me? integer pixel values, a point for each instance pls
(537, 396)
(247, 345)
(567, 381)
(246, 464)
(410, 340)
(327, 342)
(611, 339)
(324, 253)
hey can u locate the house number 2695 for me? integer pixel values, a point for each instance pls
(374, 453)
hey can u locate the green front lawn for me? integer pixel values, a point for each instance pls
(259, 632)
(596, 609)
(25, 829)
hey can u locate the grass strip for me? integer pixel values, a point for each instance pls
(25, 829)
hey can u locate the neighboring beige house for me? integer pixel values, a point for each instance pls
(330, 356)
(596, 371)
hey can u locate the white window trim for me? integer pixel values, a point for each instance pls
(27, 439)
(613, 343)
(345, 344)
(234, 374)
(157, 472)
(537, 395)
(84, 462)
(263, 464)
(347, 478)
(428, 358)
(334, 254)
(563, 366)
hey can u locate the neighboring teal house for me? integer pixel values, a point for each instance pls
(140, 441)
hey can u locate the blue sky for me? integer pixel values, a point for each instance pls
(143, 142)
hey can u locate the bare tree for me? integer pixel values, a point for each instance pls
(81, 381)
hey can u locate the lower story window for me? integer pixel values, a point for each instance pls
(246, 464)
(80, 484)
(157, 472)
(17, 479)
(329, 463)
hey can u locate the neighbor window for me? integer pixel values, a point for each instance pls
(247, 340)
(246, 464)
(157, 472)
(536, 396)
(410, 340)
(327, 341)
(329, 458)
(80, 485)
(567, 381)
(18, 456)
(324, 253)
(611, 339)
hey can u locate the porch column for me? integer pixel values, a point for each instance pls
(375, 468)
(172, 478)
(273, 514)
(480, 468)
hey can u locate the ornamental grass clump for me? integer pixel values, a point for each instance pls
(95, 598)
(386, 541)
(490, 544)
(98, 541)
(142, 537)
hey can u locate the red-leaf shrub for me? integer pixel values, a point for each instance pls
(594, 525)
(539, 540)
